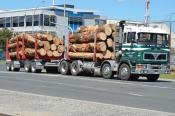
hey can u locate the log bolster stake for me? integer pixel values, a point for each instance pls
(7, 51)
(23, 48)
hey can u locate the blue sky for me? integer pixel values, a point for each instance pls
(113, 9)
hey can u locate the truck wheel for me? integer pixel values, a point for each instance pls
(64, 68)
(75, 68)
(8, 66)
(13, 67)
(124, 72)
(153, 78)
(27, 67)
(106, 71)
(34, 70)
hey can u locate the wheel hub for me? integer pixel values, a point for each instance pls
(106, 70)
(124, 72)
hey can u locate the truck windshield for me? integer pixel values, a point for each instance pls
(153, 39)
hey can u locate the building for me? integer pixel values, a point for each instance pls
(48, 19)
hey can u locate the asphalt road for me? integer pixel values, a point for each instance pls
(158, 96)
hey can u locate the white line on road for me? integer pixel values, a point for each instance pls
(135, 94)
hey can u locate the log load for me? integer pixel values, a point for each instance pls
(48, 46)
(83, 45)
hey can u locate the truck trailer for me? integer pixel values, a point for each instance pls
(137, 51)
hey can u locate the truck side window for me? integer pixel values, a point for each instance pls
(130, 37)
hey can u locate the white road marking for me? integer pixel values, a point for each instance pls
(135, 94)
(94, 79)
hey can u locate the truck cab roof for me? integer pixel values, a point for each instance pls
(144, 29)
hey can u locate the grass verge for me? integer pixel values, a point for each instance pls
(168, 76)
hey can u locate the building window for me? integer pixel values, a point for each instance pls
(21, 21)
(7, 21)
(75, 22)
(41, 19)
(29, 20)
(46, 20)
(36, 20)
(15, 21)
(2, 22)
(52, 20)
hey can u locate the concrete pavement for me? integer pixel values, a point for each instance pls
(25, 104)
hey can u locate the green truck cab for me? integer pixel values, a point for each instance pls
(145, 52)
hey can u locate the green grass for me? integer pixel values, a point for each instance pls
(168, 76)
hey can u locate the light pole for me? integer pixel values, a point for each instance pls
(170, 23)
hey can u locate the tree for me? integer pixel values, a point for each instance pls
(4, 33)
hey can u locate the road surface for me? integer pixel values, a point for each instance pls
(158, 96)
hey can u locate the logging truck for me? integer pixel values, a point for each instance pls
(104, 50)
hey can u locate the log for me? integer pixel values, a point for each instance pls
(105, 28)
(57, 41)
(108, 55)
(46, 45)
(56, 54)
(101, 36)
(60, 48)
(86, 56)
(49, 37)
(29, 38)
(42, 52)
(53, 47)
(49, 53)
(86, 28)
(29, 52)
(13, 45)
(88, 47)
(109, 43)
(40, 43)
(86, 37)
(13, 54)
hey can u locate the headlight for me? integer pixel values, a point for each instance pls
(140, 67)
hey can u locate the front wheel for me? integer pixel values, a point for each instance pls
(153, 78)
(64, 67)
(124, 72)
(106, 71)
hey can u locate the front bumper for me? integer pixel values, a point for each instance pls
(150, 69)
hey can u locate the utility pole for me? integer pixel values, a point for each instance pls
(53, 2)
(147, 16)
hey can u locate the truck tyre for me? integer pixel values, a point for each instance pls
(8, 66)
(124, 72)
(75, 68)
(153, 78)
(34, 70)
(64, 67)
(106, 71)
(13, 67)
(27, 66)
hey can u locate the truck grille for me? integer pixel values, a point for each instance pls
(155, 56)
